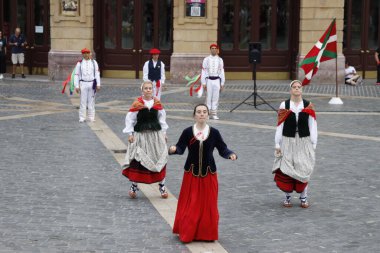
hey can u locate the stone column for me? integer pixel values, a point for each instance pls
(71, 30)
(315, 18)
(192, 37)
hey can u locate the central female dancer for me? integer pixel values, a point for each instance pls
(147, 152)
(197, 214)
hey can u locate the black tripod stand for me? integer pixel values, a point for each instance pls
(254, 94)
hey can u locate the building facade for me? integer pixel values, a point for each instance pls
(121, 33)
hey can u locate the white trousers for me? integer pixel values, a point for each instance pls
(213, 91)
(155, 91)
(87, 100)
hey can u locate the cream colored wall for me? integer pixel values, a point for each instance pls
(315, 17)
(69, 34)
(193, 34)
(192, 37)
(72, 33)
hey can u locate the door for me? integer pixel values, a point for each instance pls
(361, 34)
(125, 31)
(273, 23)
(33, 17)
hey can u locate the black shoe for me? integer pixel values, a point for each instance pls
(164, 193)
(13, 75)
(133, 191)
(22, 75)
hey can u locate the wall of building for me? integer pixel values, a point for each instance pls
(315, 18)
(70, 32)
(192, 37)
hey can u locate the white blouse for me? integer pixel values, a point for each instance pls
(312, 125)
(131, 118)
(201, 135)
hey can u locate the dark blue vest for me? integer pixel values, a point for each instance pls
(154, 74)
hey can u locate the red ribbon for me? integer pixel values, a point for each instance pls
(65, 83)
(158, 85)
(194, 84)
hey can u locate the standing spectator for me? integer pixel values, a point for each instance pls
(213, 79)
(296, 141)
(3, 53)
(377, 58)
(17, 41)
(197, 213)
(147, 152)
(154, 71)
(350, 75)
(87, 83)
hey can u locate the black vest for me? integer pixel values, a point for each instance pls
(291, 125)
(154, 74)
(147, 120)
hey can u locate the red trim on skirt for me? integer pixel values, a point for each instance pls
(139, 174)
(288, 184)
(197, 213)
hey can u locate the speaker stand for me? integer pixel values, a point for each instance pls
(254, 95)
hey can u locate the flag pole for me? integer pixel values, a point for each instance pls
(336, 76)
(336, 100)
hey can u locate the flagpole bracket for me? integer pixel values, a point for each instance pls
(335, 101)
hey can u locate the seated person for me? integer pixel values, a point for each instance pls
(350, 75)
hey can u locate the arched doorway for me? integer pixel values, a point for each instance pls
(361, 34)
(125, 31)
(273, 23)
(33, 17)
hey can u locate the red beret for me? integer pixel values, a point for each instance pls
(214, 45)
(154, 51)
(85, 51)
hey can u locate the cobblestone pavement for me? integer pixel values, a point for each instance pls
(61, 189)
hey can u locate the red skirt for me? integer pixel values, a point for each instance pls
(197, 213)
(288, 184)
(139, 174)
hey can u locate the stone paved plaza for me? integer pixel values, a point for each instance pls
(61, 188)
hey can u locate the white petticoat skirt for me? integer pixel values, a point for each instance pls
(298, 158)
(149, 148)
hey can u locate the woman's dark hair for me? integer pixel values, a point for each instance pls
(195, 108)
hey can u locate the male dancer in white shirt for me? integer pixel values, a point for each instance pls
(213, 79)
(87, 82)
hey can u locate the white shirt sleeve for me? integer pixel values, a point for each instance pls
(162, 120)
(279, 129)
(130, 122)
(313, 129)
(163, 77)
(76, 76)
(204, 74)
(97, 73)
(204, 71)
(222, 77)
(145, 71)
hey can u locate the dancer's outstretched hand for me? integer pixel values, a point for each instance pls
(172, 149)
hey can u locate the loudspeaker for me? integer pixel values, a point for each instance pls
(254, 53)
